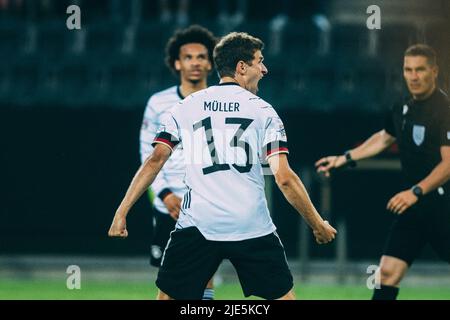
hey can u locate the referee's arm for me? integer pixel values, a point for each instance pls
(377, 143)
(440, 174)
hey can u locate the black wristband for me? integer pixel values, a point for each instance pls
(417, 190)
(349, 160)
(348, 156)
(164, 193)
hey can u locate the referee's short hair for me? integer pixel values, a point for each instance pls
(232, 48)
(424, 50)
(192, 34)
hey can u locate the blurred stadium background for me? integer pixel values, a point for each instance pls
(71, 105)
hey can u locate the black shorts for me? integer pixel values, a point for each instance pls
(190, 261)
(428, 221)
(163, 225)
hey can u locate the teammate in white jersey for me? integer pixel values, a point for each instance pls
(189, 56)
(227, 134)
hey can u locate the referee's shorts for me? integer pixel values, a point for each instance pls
(427, 221)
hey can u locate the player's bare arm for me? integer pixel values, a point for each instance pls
(293, 189)
(438, 177)
(376, 144)
(141, 181)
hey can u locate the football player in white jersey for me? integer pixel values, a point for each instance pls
(189, 56)
(227, 135)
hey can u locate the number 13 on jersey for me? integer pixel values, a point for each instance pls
(235, 144)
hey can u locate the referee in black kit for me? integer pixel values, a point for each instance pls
(421, 128)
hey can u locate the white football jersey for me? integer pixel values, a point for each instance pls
(226, 133)
(172, 174)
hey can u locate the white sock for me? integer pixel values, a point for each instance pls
(208, 294)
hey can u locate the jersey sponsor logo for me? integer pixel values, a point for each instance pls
(405, 109)
(162, 128)
(281, 131)
(418, 134)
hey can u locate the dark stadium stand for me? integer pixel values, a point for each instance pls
(118, 65)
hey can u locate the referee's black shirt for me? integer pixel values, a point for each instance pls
(421, 127)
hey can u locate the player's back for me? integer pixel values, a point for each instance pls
(223, 130)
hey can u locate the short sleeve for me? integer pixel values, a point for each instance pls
(445, 128)
(168, 132)
(389, 126)
(275, 139)
(149, 127)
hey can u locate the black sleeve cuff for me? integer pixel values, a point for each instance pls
(275, 147)
(164, 193)
(167, 139)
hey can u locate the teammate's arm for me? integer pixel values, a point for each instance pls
(141, 181)
(377, 143)
(293, 189)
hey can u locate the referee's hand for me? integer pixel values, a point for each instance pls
(402, 201)
(118, 228)
(326, 164)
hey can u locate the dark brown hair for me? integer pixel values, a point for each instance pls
(232, 48)
(422, 50)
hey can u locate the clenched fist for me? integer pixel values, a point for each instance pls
(326, 233)
(118, 228)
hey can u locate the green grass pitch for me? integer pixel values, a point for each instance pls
(121, 290)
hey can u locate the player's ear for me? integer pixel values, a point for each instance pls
(436, 70)
(241, 67)
(177, 65)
